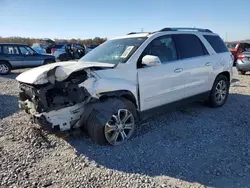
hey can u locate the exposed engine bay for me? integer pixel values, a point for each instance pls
(60, 103)
(55, 96)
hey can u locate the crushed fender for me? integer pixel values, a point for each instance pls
(103, 110)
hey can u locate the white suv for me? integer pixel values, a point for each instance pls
(108, 90)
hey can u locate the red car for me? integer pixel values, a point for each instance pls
(237, 48)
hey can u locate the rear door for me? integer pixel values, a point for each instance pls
(196, 62)
(13, 55)
(31, 58)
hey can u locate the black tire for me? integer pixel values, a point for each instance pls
(212, 98)
(64, 57)
(241, 72)
(4, 65)
(48, 61)
(95, 129)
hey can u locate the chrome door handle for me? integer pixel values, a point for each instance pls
(178, 70)
(208, 64)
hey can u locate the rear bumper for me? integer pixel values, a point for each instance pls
(244, 66)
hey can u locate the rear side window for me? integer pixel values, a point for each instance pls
(189, 45)
(10, 50)
(217, 43)
(1, 49)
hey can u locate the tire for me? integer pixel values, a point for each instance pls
(5, 68)
(96, 130)
(64, 57)
(48, 61)
(213, 101)
(241, 72)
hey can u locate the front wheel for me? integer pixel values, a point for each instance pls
(5, 68)
(219, 92)
(118, 128)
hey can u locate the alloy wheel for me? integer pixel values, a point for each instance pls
(120, 127)
(4, 68)
(221, 91)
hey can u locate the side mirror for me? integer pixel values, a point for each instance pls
(151, 60)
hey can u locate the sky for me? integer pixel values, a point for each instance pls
(112, 18)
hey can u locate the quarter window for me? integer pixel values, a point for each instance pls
(10, 50)
(189, 45)
(217, 43)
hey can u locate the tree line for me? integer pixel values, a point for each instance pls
(30, 41)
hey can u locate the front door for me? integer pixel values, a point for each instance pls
(159, 85)
(31, 59)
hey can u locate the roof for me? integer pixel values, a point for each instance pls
(17, 44)
(179, 30)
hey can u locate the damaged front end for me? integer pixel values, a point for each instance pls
(60, 102)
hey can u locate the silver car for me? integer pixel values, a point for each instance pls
(243, 62)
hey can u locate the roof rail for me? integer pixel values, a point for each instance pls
(132, 33)
(185, 29)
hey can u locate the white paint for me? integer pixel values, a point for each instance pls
(151, 60)
(158, 85)
(38, 75)
(65, 117)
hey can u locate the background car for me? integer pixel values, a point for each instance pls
(243, 62)
(20, 55)
(67, 51)
(90, 47)
(237, 48)
(44, 46)
(40, 48)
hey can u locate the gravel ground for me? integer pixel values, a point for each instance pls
(193, 146)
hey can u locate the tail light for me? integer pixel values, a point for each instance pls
(53, 50)
(240, 57)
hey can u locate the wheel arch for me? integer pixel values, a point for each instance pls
(6, 62)
(225, 73)
(120, 93)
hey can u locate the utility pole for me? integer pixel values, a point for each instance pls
(141, 29)
(226, 37)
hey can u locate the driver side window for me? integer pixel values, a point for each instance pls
(162, 47)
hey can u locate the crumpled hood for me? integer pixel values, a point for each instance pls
(38, 75)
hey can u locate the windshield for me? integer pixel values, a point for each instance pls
(38, 45)
(114, 51)
(231, 45)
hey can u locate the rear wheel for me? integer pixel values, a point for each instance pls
(119, 127)
(5, 68)
(220, 92)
